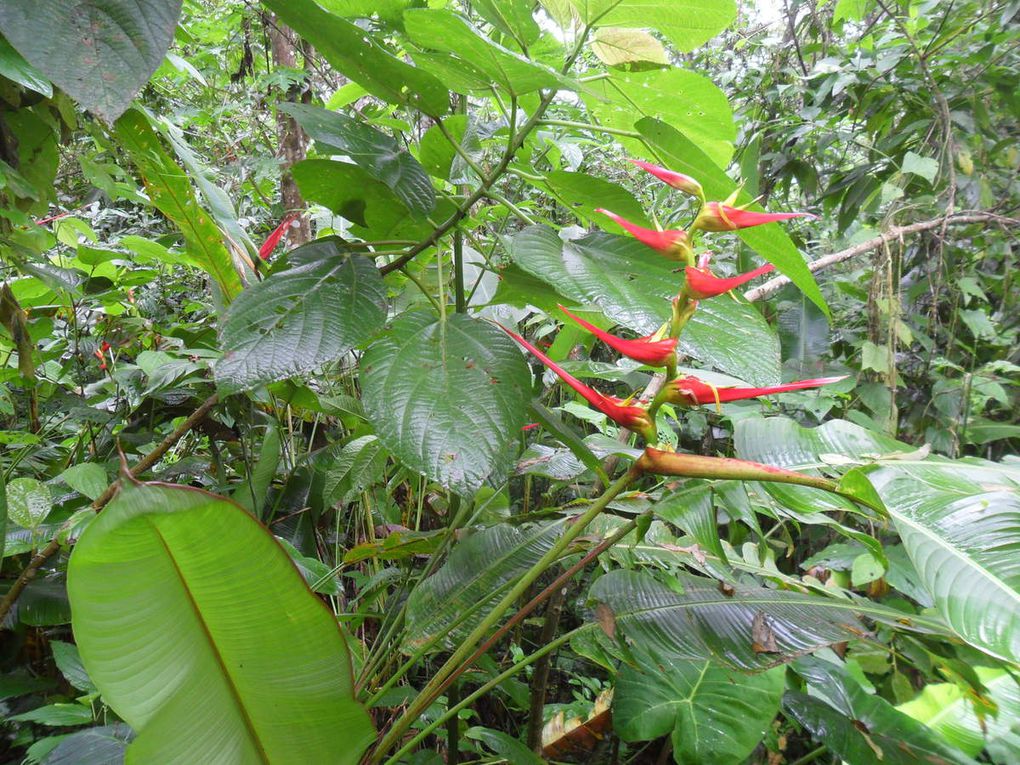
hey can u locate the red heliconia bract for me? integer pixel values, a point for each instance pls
(274, 238)
(719, 216)
(656, 353)
(675, 244)
(631, 417)
(701, 283)
(678, 181)
(689, 391)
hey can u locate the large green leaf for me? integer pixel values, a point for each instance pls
(959, 520)
(14, 67)
(770, 241)
(480, 566)
(632, 285)
(171, 192)
(101, 52)
(960, 525)
(349, 191)
(948, 710)
(447, 398)
(862, 728)
(705, 622)
(512, 17)
(687, 23)
(380, 155)
(689, 102)
(326, 303)
(448, 32)
(360, 56)
(716, 715)
(582, 194)
(200, 634)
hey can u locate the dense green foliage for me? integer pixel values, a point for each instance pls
(308, 502)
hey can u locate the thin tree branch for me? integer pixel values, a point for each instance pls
(958, 219)
(150, 459)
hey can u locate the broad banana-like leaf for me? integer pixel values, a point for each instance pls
(200, 633)
(862, 728)
(949, 711)
(959, 520)
(472, 580)
(746, 627)
(716, 715)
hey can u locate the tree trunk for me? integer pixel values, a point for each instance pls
(293, 140)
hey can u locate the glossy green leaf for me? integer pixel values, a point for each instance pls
(687, 23)
(716, 716)
(314, 312)
(14, 67)
(948, 710)
(57, 715)
(359, 464)
(362, 58)
(86, 478)
(448, 32)
(859, 727)
(201, 635)
(582, 194)
(103, 745)
(28, 502)
(171, 192)
(449, 398)
(686, 101)
(101, 52)
(349, 191)
(705, 622)
(380, 155)
(770, 241)
(960, 525)
(480, 566)
(632, 285)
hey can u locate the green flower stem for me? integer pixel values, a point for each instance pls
(482, 690)
(427, 694)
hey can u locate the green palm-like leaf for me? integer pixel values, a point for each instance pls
(475, 574)
(200, 633)
(706, 622)
(959, 519)
(716, 715)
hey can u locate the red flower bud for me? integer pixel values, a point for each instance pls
(656, 353)
(631, 417)
(719, 216)
(702, 284)
(274, 238)
(674, 244)
(689, 391)
(678, 181)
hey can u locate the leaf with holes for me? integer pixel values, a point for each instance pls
(190, 618)
(100, 51)
(447, 398)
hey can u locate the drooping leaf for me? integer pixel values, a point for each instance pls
(769, 241)
(450, 33)
(28, 502)
(705, 622)
(360, 463)
(960, 525)
(687, 23)
(362, 58)
(380, 155)
(512, 17)
(101, 52)
(314, 312)
(859, 727)
(349, 191)
(582, 194)
(479, 567)
(949, 711)
(170, 191)
(629, 49)
(716, 716)
(632, 285)
(169, 572)
(102, 745)
(447, 398)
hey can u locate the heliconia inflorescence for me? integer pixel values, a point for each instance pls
(660, 348)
